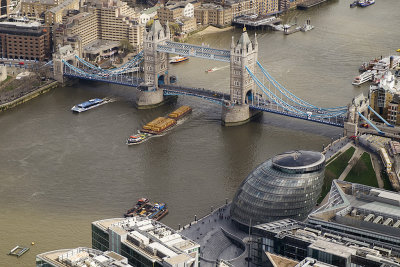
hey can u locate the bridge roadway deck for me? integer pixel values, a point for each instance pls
(199, 92)
(261, 104)
(195, 51)
(267, 106)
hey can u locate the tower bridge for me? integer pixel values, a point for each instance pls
(247, 96)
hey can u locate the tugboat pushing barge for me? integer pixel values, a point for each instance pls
(159, 126)
(144, 208)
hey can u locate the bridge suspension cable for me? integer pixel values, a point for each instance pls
(118, 78)
(293, 97)
(300, 110)
(131, 63)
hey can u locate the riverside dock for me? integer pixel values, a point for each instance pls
(288, 31)
(18, 251)
(309, 3)
(255, 21)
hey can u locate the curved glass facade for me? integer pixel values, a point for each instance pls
(280, 188)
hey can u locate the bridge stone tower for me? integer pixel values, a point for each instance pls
(359, 104)
(155, 67)
(242, 87)
(66, 53)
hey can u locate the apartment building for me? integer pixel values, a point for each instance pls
(212, 14)
(111, 21)
(79, 30)
(55, 14)
(267, 7)
(174, 11)
(20, 40)
(242, 7)
(36, 8)
(382, 94)
(187, 24)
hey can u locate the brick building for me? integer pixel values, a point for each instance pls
(178, 12)
(24, 41)
(212, 14)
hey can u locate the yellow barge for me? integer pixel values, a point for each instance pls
(180, 112)
(158, 125)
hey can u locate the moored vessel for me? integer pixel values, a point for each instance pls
(139, 204)
(145, 208)
(363, 77)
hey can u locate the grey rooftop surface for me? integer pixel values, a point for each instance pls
(298, 158)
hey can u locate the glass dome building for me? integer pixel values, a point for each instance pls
(286, 186)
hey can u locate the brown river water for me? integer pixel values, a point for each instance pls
(60, 171)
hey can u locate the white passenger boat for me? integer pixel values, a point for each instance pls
(92, 103)
(363, 77)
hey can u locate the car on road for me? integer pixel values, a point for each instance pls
(21, 63)
(364, 125)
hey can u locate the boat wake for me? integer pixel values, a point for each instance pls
(217, 68)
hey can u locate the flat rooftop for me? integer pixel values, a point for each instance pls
(99, 46)
(83, 257)
(20, 24)
(152, 238)
(325, 240)
(357, 202)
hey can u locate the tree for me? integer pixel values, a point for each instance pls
(174, 28)
(149, 23)
(126, 45)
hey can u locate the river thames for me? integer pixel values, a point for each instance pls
(61, 171)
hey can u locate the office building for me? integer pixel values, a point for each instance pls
(286, 186)
(81, 257)
(299, 241)
(364, 211)
(145, 242)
